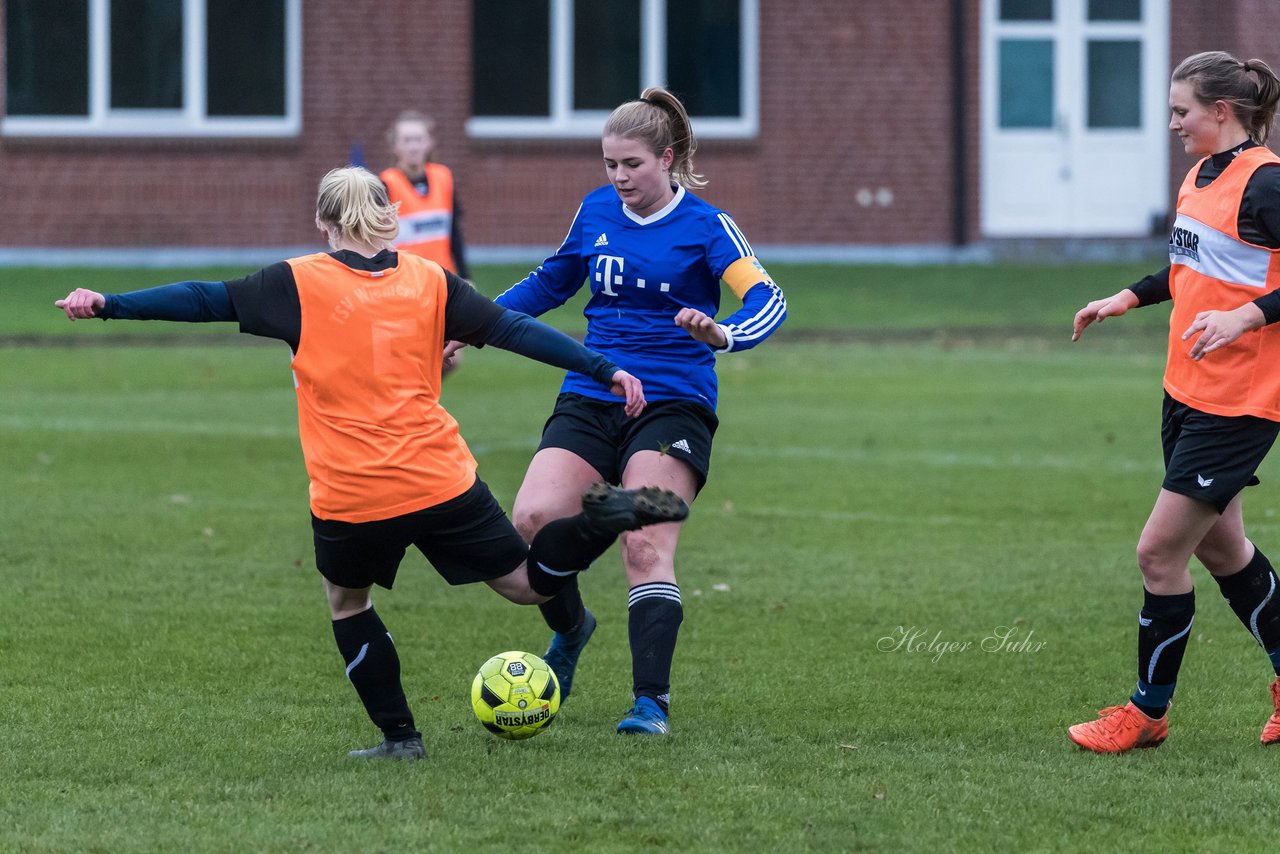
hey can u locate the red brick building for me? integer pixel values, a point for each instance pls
(839, 122)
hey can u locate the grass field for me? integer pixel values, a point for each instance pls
(911, 569)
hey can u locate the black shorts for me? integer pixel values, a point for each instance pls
(466, 539)
(1211, 458)
(601, 433)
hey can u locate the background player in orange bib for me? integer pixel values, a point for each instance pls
(388, 468)
(430, 215)
(1222, 385)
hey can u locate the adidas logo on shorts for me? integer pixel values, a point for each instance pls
(681, 445)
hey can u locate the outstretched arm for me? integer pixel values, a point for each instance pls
(192, 302)
(471, 318)
(521, 334)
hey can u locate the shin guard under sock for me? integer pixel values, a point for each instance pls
(654, 614)
(1251, 593)
(374, 670)
(1164, 626)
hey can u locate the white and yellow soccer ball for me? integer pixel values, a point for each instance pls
(515, 695)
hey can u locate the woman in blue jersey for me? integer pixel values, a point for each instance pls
(654, 256)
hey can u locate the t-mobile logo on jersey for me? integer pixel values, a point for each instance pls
(607, 277)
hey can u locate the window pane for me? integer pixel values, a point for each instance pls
(511, 58)
(1115, 84)
(146, 54)
(1026, 83)
(1115, 10)
(704, 55)
(1026, 10)
(606, 53)
(47, 58)
(245, 57)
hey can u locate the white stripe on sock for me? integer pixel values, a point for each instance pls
(654, 590)
(542, 566)
(359, 658)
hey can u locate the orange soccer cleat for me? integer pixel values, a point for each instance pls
(1271, 729)
(1121, 728)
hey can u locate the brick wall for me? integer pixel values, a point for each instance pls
(855, 143)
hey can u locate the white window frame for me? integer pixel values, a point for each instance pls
(565, 122)
(188, 121)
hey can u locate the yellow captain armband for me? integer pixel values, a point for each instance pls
(744, 274)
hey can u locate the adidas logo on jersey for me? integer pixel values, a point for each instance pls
(682, 445)
(602, 241)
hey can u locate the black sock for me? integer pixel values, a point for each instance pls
(374, 670)
(565, 612)
(562, 549)
(654, 614)
(1251, 593)
(1164, 626)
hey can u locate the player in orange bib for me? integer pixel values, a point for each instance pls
(1222, 386)
(430, 215)
(388, 468)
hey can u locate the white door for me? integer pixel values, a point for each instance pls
(1074, 117)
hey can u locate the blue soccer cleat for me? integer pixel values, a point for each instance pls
(645, 718)
(562, 655)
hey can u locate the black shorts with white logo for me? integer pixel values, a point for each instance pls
(601, 433)
(1211, 458)
(466, 539)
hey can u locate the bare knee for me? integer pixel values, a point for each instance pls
(644, 560)
(529, 520)
(1159, 566)
(345, 601)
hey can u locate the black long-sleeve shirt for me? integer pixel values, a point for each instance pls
(266, 304)
(1258, 223)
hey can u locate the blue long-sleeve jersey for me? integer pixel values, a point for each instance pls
(642, 271)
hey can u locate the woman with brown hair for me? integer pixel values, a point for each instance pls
(1222, 386)
(654, 256)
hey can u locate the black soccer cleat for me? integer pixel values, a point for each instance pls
(614, 509)
(409, 748)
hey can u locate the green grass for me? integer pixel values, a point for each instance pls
(170, 682)
(960, 300)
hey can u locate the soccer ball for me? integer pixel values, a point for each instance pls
(515, 695)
